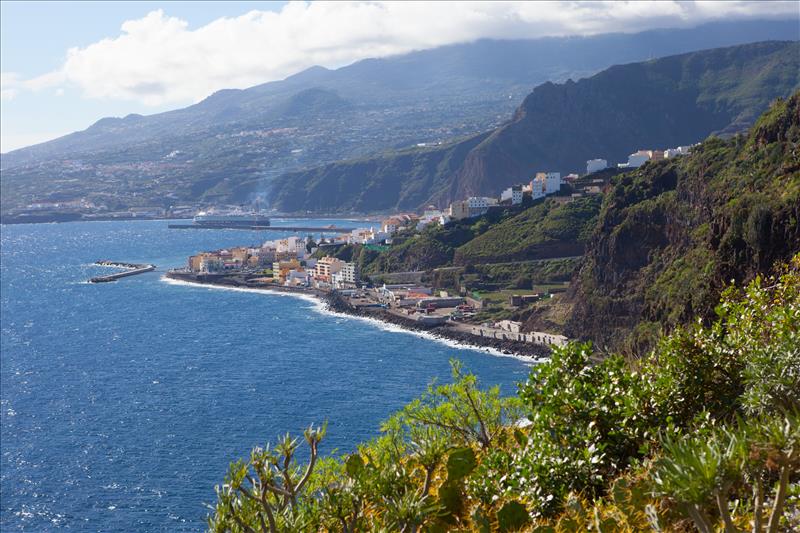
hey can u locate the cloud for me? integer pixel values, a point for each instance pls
(11, 84)
(159, 60)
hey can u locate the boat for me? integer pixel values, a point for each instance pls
(232, 218)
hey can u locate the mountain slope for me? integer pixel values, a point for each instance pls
(670, 235)
(667, 102)
(228, 146)
(661, 103)
(482, 70)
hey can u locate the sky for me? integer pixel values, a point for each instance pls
(65, 65)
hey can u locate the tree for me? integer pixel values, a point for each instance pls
(466, 414)
(265, 493)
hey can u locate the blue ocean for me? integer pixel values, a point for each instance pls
(122, 404)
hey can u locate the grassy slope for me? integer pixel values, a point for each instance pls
(545, 230)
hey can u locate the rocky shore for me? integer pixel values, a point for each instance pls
(338, 303)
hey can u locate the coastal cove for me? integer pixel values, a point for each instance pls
(104, 386)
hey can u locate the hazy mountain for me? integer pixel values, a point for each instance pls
(662, 103)
(233, 142)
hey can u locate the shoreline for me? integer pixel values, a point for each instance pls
(67, 217)
(334, 304)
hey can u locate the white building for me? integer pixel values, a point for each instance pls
(348, 276)
(366, 236)
(594, 165)
(480, 202)
(471, 207)
(297, 277)
(513, 193)
(675, 152)
(263, 255)
(552, 182)
(430, 216)
(536, 188)
(638, 159)
(390, 226)
(210, 264)
(292, 245)
(393, 224)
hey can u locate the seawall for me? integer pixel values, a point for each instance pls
(133, 269)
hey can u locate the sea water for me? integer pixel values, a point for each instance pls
(123, 403)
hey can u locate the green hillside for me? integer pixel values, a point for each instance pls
(671, 234)
(546, 230)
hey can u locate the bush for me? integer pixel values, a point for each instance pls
(705, 428)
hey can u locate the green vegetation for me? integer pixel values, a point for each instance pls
(536, 275)
(506, 248)
(434, 246)
(705, 429)
(548, 229)
(672, 234)
(701, 430)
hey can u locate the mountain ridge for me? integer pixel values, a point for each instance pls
(660, 103)
(227, 147)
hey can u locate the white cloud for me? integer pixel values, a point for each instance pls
(9, 85)
(159, 60)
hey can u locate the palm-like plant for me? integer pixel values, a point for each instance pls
(263, 494)
(700, 472)
(407, 512)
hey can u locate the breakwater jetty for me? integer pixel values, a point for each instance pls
(308, 229)
(131, 269)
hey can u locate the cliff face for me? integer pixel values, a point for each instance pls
(666, 102)
(671, 234)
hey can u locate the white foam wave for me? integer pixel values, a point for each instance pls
(320, 307)
(98, 265)
(306, 297)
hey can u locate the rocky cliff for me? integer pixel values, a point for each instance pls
(671, 234)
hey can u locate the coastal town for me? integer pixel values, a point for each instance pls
(308, 265)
